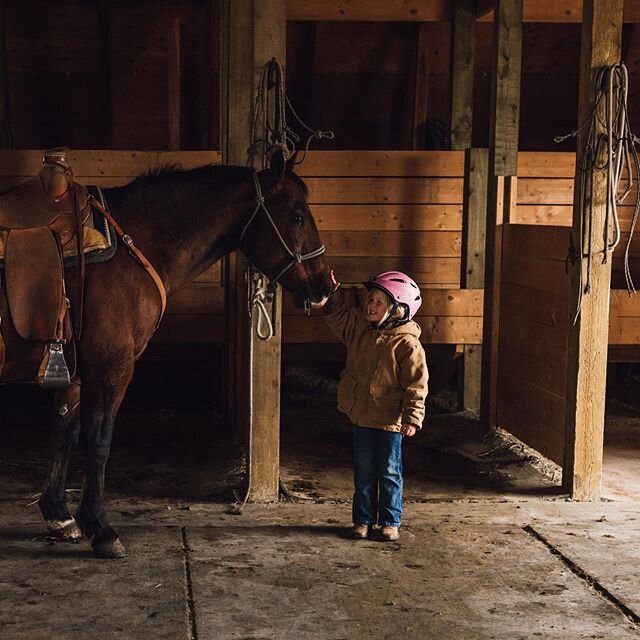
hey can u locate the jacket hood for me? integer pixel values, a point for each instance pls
(411, 328)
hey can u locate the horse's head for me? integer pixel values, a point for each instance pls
(281, 238)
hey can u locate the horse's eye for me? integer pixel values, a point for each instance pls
(298, 219)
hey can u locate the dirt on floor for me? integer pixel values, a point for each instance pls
(489, 548)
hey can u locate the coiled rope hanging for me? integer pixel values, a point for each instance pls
(270, 129)
(271, 133)
(613, 151)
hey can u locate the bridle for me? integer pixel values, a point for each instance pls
(296, 258)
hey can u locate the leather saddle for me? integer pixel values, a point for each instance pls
(39, 218)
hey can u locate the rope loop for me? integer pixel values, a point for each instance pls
(270, 129)
(608, 147)
(259, 297)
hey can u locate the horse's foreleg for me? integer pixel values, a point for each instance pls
(99, 405)
(53, 504)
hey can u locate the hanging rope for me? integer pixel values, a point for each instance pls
(270, 129)
(260, 296)
(609, 148)
(270, 133)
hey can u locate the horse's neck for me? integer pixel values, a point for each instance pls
(182, 239)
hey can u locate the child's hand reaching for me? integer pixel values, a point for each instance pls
(408, 430)
(334, 283)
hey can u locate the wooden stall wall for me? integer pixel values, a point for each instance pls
(532, 360)
(358, 78)
(392, 210)
(535, 302)
(94, 75)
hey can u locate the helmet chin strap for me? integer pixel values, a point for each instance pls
(390, 312)
(391, 309)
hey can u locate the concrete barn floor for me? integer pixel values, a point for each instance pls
(489, 548)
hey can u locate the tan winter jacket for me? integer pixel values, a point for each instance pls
(384, 384)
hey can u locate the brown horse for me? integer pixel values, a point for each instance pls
(183, 221)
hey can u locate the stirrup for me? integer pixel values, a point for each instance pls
(53, 372)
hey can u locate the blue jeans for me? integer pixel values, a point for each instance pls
(377, 476)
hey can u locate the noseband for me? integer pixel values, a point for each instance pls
(296, 258)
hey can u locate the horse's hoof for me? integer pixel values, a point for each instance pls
(108, 547)
(64, 531)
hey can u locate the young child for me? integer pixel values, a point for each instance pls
(382, 390)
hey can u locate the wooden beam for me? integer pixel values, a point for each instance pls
(505, 92)
(270, 42)
(5, 125)
(474, 216)
(588, 337)
(461, 74)
(558, 11)
(236, 91)
(104, 17)
(253, 32)
(503, 160)
(210, 135)
(371, 10)
(570, 11)
(173, 84)
(421, 86)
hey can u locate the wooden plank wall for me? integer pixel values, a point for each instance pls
(375, 210)
(545, 197)
(93, 75)
(532, 360)
(535, 315)
(379, 210)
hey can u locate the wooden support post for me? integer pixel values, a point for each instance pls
(210, 135)
(105, 69)
(5, 129)
(461, 69)
(474, 224)
(588, 337)
(236, 91)
(253, 32)
(421, 86)
(503, 161)
(173, 84)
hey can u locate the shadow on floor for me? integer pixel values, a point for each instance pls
(184, 454)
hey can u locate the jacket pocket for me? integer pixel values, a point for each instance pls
(347, 392)
(386, 404)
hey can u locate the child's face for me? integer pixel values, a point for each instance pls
(377, 305)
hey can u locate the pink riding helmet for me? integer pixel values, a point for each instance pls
(399, 287)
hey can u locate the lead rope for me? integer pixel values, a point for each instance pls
(266, 137)
(609, 111)
(258, 302)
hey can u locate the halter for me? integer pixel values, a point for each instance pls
(297, 258)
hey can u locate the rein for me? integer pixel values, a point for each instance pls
(297, 258)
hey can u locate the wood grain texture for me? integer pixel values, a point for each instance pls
(587, 357)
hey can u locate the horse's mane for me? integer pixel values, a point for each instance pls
(173, 176)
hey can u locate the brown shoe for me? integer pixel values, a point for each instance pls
(389, 534)
(359, 531)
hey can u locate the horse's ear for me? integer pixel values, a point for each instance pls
(291, 162)
(278, 164)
